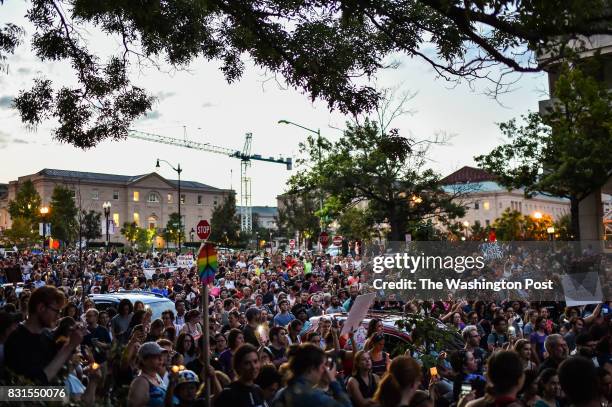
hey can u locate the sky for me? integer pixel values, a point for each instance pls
(200, 104)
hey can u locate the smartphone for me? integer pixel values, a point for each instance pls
(330, 363)
(433, 371)
(466, 388)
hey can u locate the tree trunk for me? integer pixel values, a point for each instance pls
(575, 217)
(398, 227)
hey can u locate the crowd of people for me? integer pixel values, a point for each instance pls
(275, 338)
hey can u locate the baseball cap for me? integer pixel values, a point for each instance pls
(150, 349)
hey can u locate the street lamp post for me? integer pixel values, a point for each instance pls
(43, 214)
(466, 225)
(318, 133)
(107, 207)
(178, 171)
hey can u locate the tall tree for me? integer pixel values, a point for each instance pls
(319, 47)
(354, 224)
(513, 225)
(172, 231)
(144, 239)
(91, 225)
(224, 223)
(64, 225)
(382, 168)
(566, 152)
(510, 226)
(20, 234)
(130, 231)
(296, 214)
(26, 204)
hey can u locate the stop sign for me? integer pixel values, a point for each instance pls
(203, 229)
(324, 239)
(337, 240)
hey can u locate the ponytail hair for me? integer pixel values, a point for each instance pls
(404, 372)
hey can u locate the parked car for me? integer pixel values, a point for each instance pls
(157, 302)
(396, 340)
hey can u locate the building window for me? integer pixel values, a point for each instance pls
(73, 192)
(137, 218)
(95, 194)
(477, 205)
(170, 198)
(215, 203)
(485, 205)
(136, 196)
(500, 205)
(487, 222)
(183, 199)
(153, 197)
(116, 219)
(199, 199)
(116, 195)
(152, 222)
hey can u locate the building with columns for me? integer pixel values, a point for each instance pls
(485, 200)
(146, 199)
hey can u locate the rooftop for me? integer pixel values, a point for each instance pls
(122, 179)
(466, 175)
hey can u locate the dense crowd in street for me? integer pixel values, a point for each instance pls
(276, 338)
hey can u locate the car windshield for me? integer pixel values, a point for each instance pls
(160, 306)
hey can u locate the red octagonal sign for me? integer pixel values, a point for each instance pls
(324, 239)
(203, 229)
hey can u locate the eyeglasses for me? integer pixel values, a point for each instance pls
(56, 310)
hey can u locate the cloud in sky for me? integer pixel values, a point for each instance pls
(4, 139)
(6, 101)
(163, 95)
(201, 105)
(24, 71)
(152, 115)
(20, 141)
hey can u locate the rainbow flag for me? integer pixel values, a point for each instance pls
(207, 262)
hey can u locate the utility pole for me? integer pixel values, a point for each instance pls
(320, 159)
(178, 171)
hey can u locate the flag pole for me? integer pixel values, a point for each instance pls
(205, 327)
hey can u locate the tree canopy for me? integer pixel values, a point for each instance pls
(130, 231)
(565, 152)
(91, 225)
(324, 48)
(64, 225)
(224, 223)
(26, 204)
(382, 169)
(297, 213)
(171, 232)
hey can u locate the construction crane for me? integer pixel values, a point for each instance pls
(245, 156)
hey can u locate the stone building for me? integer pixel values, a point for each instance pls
(485, 200)
(146, 199)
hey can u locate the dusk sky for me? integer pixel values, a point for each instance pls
(215, 112)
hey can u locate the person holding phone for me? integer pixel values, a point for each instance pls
(308, 366)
